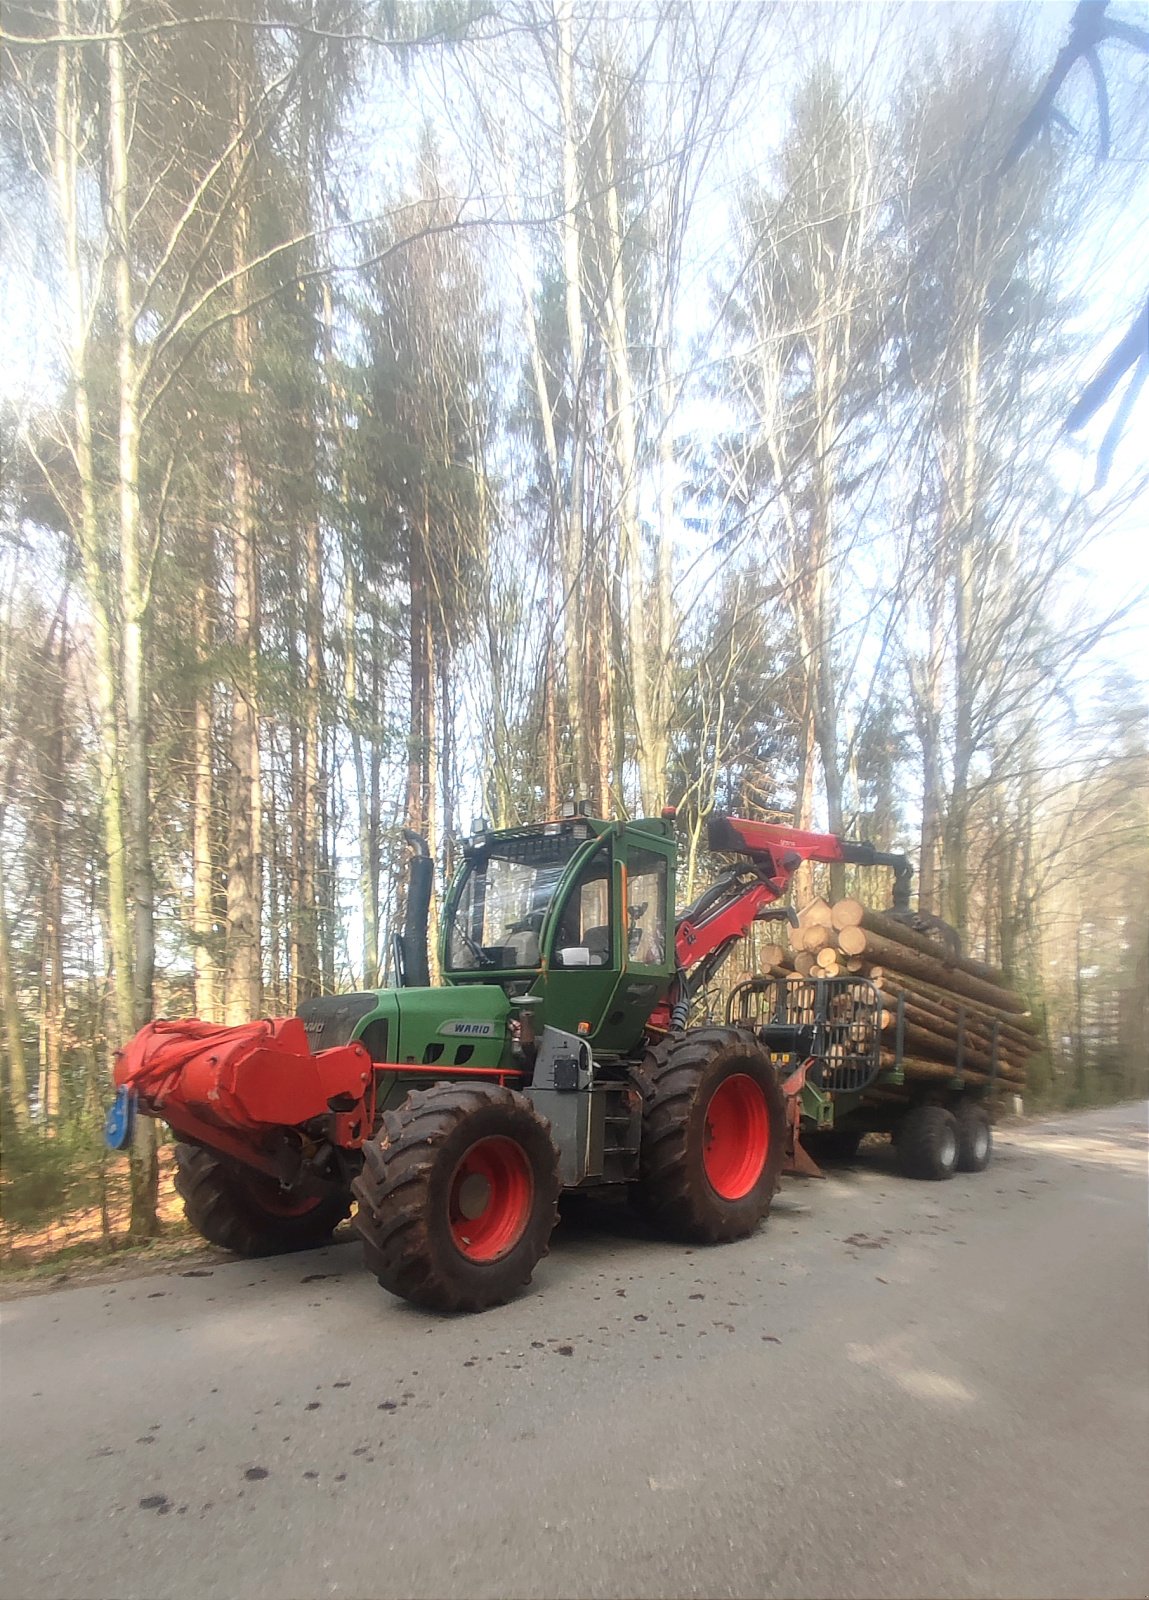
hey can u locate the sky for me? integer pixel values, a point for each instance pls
(1111, 264)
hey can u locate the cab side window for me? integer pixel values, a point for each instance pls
(646, 875)
(585, 923)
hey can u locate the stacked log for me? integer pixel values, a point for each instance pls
(948, 1001)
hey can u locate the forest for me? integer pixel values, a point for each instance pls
(419, 411)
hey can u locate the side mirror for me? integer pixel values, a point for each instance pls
(575, 955)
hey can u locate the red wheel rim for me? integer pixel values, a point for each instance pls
(736, 1138)
(492, 1190)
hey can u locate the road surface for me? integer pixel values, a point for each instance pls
(894, 1389)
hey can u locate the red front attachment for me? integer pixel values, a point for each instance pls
(230, 1087)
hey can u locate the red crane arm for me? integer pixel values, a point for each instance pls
(726, 910)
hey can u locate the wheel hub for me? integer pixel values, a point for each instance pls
(736, 1136)
(474, 1195)
(490, 1198)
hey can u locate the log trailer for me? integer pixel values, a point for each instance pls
(558, 1054)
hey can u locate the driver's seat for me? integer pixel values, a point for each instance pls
(524, 947)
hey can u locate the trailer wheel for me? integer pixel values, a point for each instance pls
(713, 1135)
(241, 1210)
(927, 1143)
(975, 1137)
(458, 1196)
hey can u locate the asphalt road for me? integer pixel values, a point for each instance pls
(893, 1389)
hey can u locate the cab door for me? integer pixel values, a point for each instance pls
(609, 941)
(647, 901)
(582, 951)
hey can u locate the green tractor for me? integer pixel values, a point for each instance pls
(555, 1056)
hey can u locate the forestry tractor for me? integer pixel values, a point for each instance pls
(558, 1054)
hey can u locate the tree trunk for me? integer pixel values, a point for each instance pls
(54, 786)
(16, 1080)
(368, 868)
(367, 830)
(965, 622)
(244, 851)
(88, 534)
(203, 784)
(574, 565)
(648, 753)
(804, 798)
(306, 913)
(134, 590)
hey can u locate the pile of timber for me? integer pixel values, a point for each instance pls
(947, 999)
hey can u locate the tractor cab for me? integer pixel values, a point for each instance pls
(576, 913)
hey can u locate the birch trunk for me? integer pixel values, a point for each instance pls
(65, 156)
(965, 603)
(144, 1163)
(573, 546)
(624, 446)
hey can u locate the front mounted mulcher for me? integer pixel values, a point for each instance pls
(555, 1056)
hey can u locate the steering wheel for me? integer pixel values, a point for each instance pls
(480, 955)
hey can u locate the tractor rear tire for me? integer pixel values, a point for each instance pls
(713, 1135)
(458, 1196)
(927, 1143)
(247, 1213)
(975, 1137)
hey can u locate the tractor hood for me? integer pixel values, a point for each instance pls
(451, 1026)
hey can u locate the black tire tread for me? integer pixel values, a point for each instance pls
(671, 1191)
(222, 1204)
(392, 1191)
(970, 1114)
(918, 1138)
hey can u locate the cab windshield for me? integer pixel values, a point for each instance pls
(502, 901)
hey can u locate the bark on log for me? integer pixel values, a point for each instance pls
(977, 1031)
(915, 1067)
(1021, 1026)
(928, 1045)
(930, 969)
(924, 1036)
(853, 914)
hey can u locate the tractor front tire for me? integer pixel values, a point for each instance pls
(458, 1196)
(975, 1137)
(927, 1143)
(713, 1135)
(247, 1213)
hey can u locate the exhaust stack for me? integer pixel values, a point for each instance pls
(416, 966)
